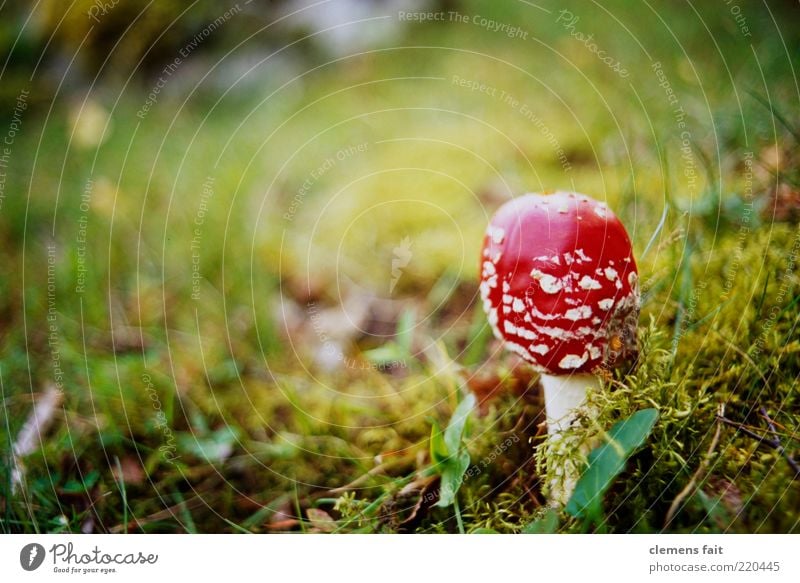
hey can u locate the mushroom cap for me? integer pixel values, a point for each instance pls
(559, 283)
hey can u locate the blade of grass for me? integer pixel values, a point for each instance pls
(459, 520)
(186, 514)
(123, 493)
(236, 527)
(658, 230)
(763, 294)
(478, 336)
(683, 296)
(776, 114)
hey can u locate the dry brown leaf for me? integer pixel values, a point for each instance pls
(321, 521)
(28, 438)
(131, 471)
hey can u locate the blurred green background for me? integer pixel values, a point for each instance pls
(241, 244)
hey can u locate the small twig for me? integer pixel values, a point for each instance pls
(774, 423)
(164, 514)
(769, 442)
(779, 447)
(760, 438)
(380, 468)
(699, 473)
(767, 418)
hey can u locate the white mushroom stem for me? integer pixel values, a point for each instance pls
(563, 396)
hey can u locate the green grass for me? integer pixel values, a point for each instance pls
(216, 413)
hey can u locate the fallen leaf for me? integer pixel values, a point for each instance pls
(28, 438)
(320, 520)
(130, 469)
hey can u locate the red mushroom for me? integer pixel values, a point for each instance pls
(560, 287)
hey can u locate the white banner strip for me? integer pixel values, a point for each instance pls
(416, 558)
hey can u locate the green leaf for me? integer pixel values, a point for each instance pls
(455, 462)
(484, 531)
(74, 486)
(388, 353)
(455, 429)
(607, 460)
(215, 447)
(405, 332)
(545, 524)
(400, 348)
(439, 451)
(715, 511)
(452, 477)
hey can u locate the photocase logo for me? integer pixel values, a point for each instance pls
(31, 556)
(401, 256)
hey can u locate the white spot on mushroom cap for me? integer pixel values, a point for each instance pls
(589, 283)
(485, 291)
(510, 328)
(581, 256)
(548, 283)
(594, 352)
(497, 234)
(539, 349)
(541, 315)
(549, 259)
(527, 334)
(518, 305)
(506, 287)
(611, 273)
(605, 304)
(558, 333)
(579, 313)
(573, 360)
(507, 299)
(519, 349)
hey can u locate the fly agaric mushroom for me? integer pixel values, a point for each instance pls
(560, 287)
